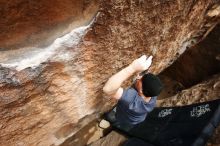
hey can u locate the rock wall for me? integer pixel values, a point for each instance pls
(37, 23)
(202, 60)
(202, 92)
(45, 91)
(196, 64)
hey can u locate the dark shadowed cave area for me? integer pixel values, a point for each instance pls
(198, 63)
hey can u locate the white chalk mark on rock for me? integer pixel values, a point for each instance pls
(37, 56)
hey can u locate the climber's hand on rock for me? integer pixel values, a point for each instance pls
(142, 63)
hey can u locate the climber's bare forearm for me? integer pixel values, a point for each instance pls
(115, 82)
(113, 85)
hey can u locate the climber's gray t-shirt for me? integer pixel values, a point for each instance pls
(132, 109)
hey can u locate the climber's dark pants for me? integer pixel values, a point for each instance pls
(111, 117)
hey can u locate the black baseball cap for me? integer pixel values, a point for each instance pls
(151, 85)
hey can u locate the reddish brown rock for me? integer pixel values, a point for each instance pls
(198, 62)
(45, 91)
(202, 92)
(27, 23)
(112, 139)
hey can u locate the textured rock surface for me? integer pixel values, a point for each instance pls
(198, 63)
(202, 61)
(27, 23)
(205, 91)
(112, 139)
(40, 104)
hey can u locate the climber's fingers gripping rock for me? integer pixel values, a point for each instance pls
(142, 63)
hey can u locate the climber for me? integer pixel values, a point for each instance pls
(135, 102)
